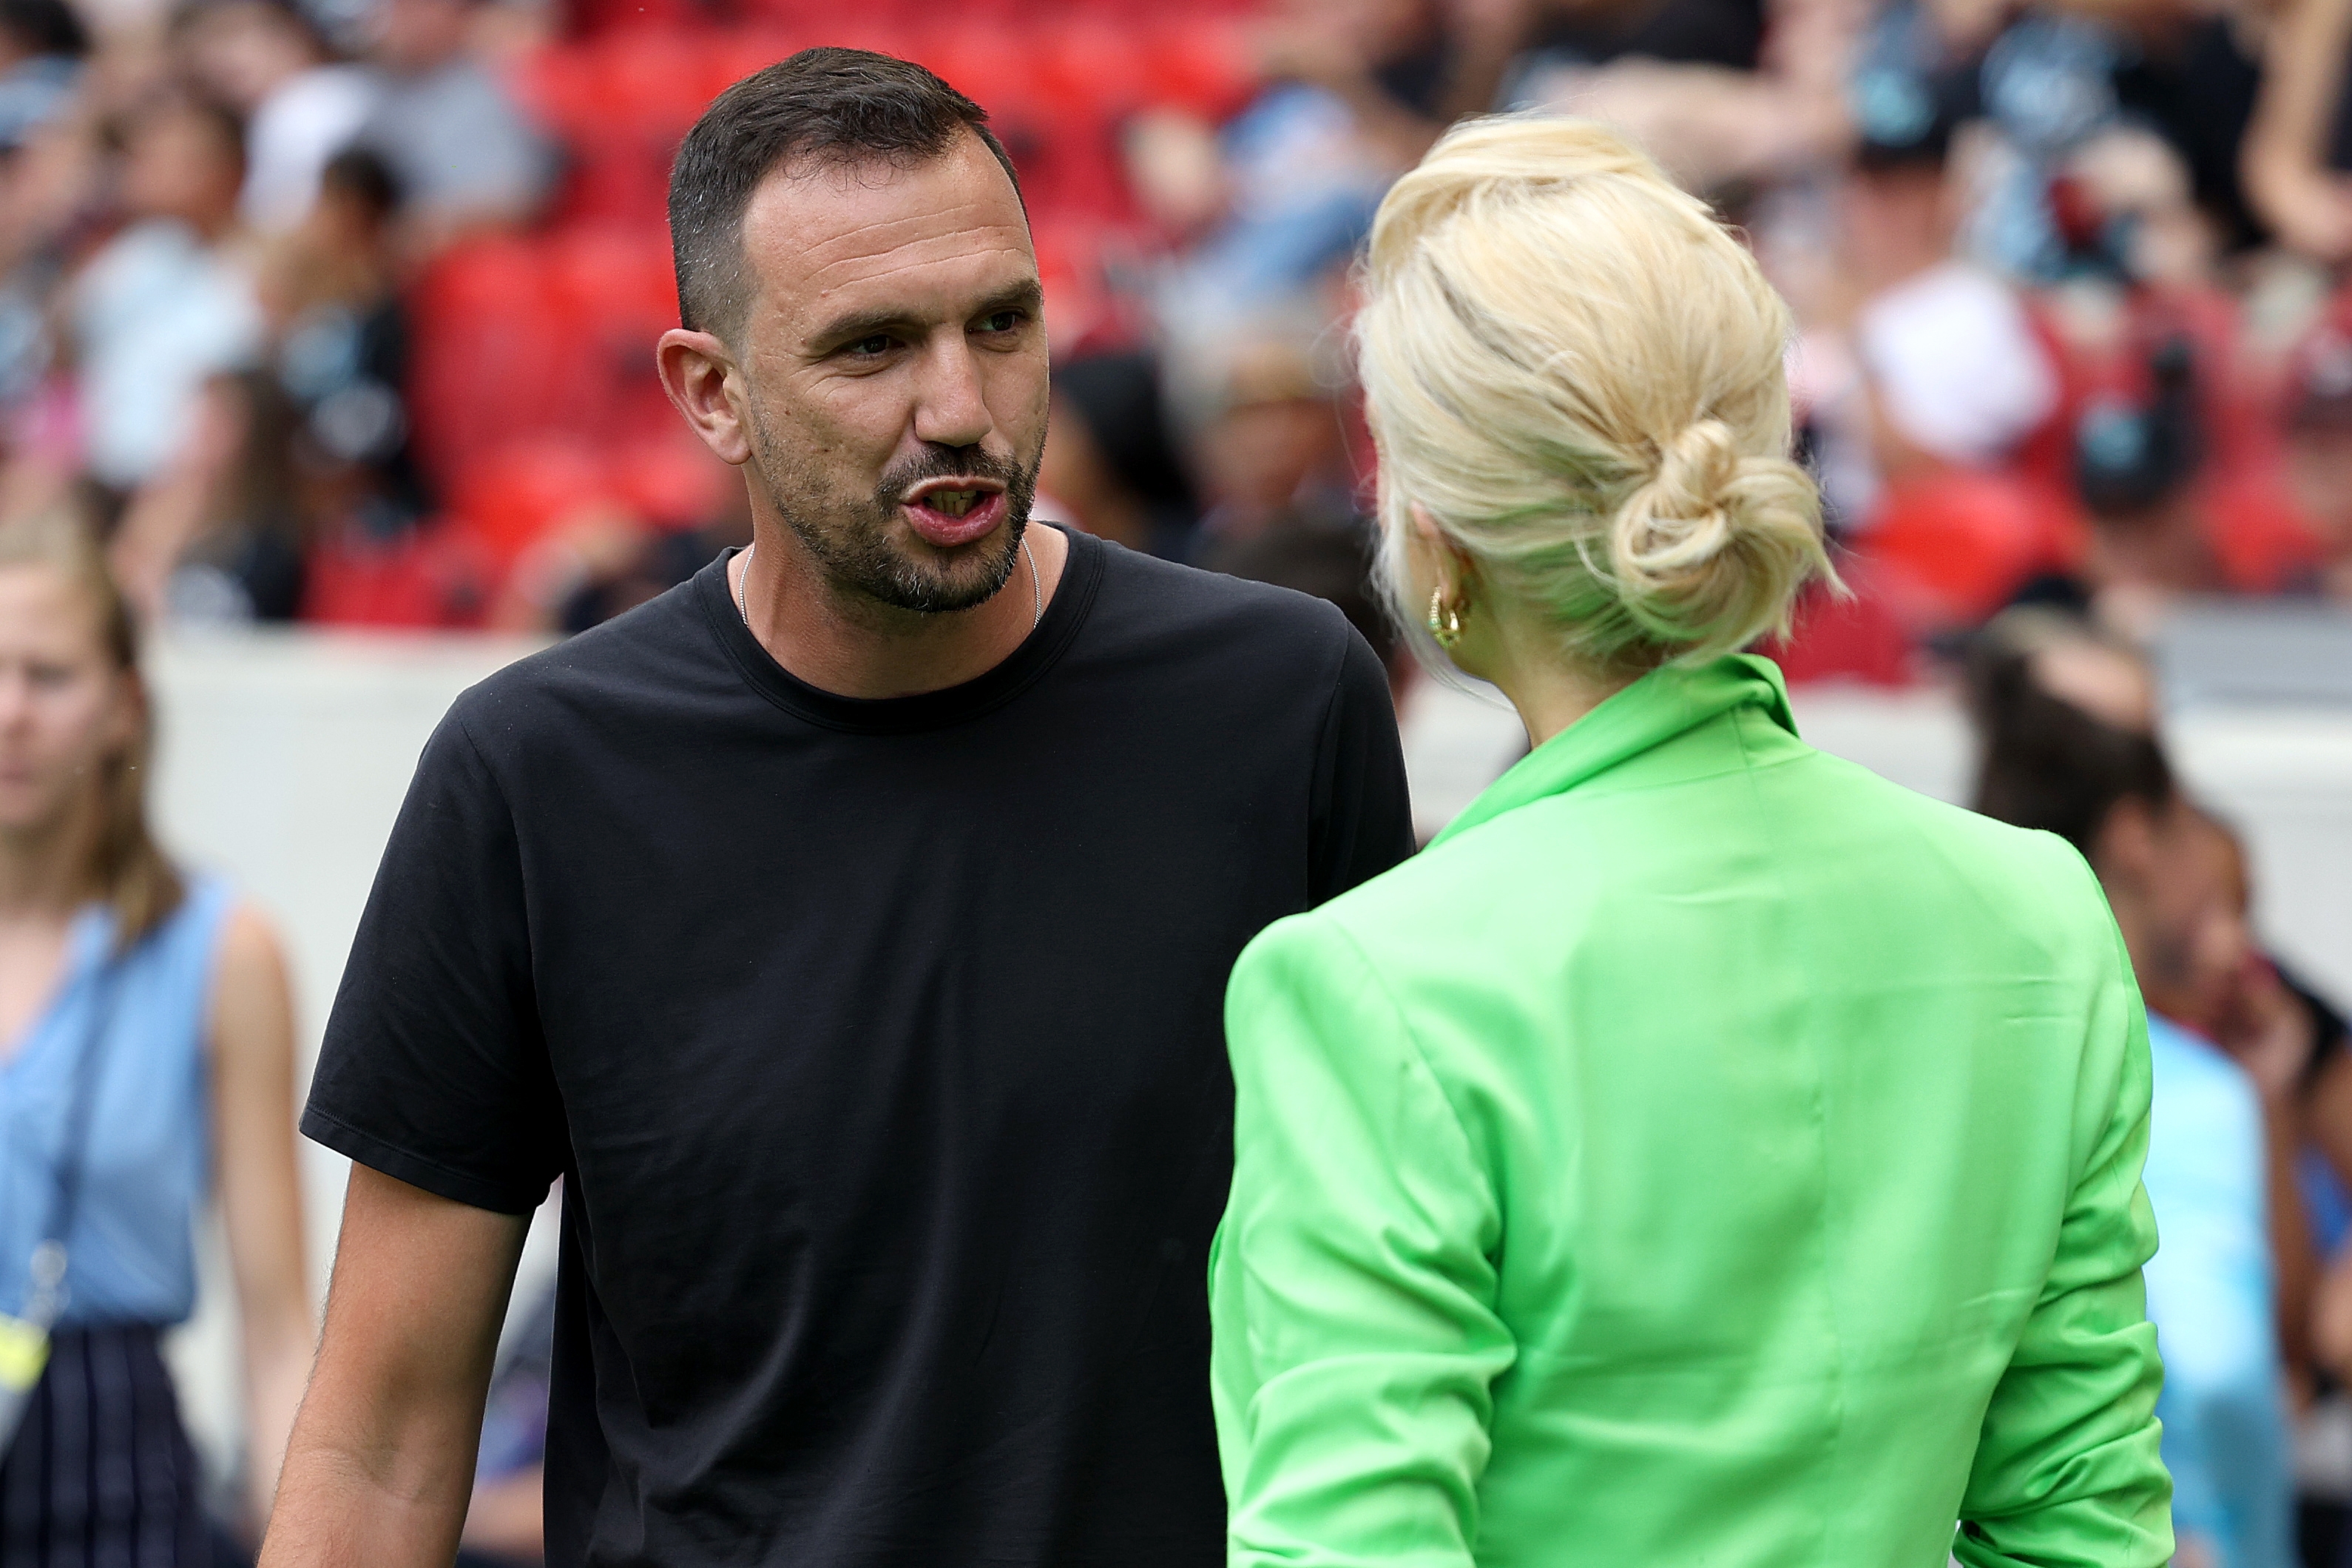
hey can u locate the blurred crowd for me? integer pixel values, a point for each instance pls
(342, 312)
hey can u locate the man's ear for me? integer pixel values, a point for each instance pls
(698, 371)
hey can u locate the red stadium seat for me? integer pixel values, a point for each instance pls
(651, 81)
(1089, 67)
(732, 55)
(1948, 548)
(511, 494)
(1834, 639)
(989, 62)
(1200, 63)
(435, 577)
(557, 85)
(484, 339)
(672, 480)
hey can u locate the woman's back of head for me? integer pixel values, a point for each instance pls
(1576, 372)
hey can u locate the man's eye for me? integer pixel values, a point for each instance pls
(1002, 321)
(867, 348)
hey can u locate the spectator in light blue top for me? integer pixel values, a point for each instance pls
(146, 1053)
(2210, 1296)
(2103, 783)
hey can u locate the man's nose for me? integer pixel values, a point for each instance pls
(951, 407)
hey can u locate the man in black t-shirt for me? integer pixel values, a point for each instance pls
(849, 928)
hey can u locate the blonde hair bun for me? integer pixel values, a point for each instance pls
(1577, 371)
(1709, 539)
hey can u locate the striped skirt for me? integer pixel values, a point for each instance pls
(100, 1474)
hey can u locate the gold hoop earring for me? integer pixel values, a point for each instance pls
(1444, 619)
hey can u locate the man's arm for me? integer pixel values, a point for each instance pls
(382, 1455)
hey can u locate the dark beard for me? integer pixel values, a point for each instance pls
(850, 540)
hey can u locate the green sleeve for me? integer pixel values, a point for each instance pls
(2066, 1470)
(1353, 1283)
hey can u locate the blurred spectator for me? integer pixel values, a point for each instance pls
(168, 302)
(219, 537)
(269, 60)
(342, 336)
(1402, 68)
(605, 560)
(1332, 559)
(2298, 149)
(1720, 91)
(506, 1527)
(2135, 465)
(2318, 428)
(155, 1000)
(2291, 1043)
(1358, 90)
(1109, 461)
(1269, 447)
(41, 191)
(1956, 373)
(42, 43)
(457, 145)
(2105, 787)
(1915, 362)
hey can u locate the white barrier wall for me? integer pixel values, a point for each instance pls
(285, 758)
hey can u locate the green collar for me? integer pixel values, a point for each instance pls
(1661, 705)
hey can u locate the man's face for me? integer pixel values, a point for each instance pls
(894, 372)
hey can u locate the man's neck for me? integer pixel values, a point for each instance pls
(854, 647)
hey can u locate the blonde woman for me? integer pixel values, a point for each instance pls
(146, 1061)
(1706, 1152)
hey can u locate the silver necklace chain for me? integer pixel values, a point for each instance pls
(1036, 588)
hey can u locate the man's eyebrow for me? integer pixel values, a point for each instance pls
(859, 325)
(1026, 295)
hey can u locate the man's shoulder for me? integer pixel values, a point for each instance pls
(632, 659)
(1149, 596)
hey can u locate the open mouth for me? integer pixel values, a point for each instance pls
(952, 511)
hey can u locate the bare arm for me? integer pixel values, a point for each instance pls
(252, 1029)
(382, 1456)
(2284, 159)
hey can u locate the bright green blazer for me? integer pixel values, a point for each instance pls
(1706, 1152)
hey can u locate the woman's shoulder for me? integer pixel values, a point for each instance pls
(214, 932)
(1386, 925)
(1561, 872)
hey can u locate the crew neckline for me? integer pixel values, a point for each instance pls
(1073, 599)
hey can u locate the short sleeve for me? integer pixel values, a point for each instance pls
(1363, 822)
(434, 1070)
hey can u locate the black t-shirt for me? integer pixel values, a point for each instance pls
(880, 1044)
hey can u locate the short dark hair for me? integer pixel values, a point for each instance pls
(842, 106)
(44, 28)
(362, 176)
(2047, 763)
